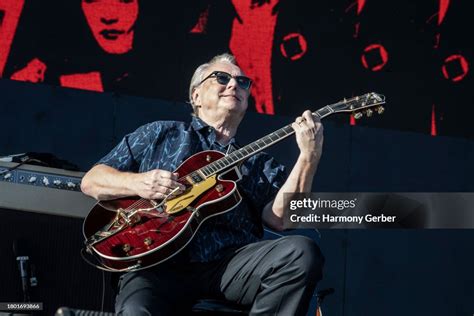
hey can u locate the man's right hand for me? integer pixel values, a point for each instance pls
(157, 184)
(106, 183)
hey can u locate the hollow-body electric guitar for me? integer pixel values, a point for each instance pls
(134, 233)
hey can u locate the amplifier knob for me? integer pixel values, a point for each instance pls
(7, 176)
(45, 181)
(57, 182)
(70, 184)
(32, 179)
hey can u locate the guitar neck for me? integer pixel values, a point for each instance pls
(255, 147)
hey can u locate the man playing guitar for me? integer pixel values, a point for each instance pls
(225, 259)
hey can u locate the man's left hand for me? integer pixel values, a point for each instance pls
(309, 136)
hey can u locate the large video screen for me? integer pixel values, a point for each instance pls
(301, 54)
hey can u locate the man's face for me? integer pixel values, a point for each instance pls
(111, 22)
(218, 99)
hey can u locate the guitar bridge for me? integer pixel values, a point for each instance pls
(157, 206)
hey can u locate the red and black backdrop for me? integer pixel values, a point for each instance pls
(301, 54)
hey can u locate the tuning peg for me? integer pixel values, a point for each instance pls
(380, 109)
(358, 115)
(369, 112)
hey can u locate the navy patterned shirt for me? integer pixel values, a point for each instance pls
(166, 144)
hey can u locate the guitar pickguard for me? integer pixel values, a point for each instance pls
(182, 201)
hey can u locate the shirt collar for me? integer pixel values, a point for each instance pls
(199, 125)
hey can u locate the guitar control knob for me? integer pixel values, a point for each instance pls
(208, 158)
(126, 247)
(358, 115)
(148, 241)
(380, 109)
(369, 112)
(219, 188)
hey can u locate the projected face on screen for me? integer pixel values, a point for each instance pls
(112, 23)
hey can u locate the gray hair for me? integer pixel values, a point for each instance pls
(198, 75)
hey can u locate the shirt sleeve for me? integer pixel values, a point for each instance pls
(262, 178)
(129, 153)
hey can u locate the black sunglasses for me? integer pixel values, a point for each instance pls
(224, 78)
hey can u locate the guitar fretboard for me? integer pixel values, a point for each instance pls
(260, 144)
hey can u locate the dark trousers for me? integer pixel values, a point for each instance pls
(274, 277)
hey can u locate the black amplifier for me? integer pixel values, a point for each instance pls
(42, 189)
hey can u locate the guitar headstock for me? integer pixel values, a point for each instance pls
(365, 104)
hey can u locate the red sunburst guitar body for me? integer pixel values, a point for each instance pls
(132, 233)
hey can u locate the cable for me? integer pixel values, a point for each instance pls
(107, 269)
(14, 167)
(103, 291)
